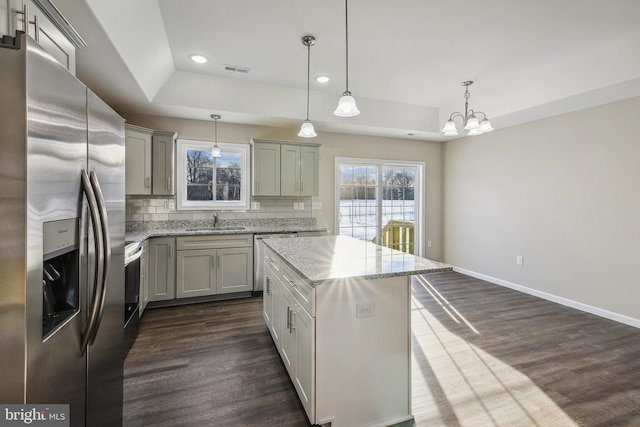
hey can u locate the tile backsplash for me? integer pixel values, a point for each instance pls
(154, 208)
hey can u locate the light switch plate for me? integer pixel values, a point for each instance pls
(367, 309)
(316, 205)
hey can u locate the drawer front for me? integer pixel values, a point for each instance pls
(272, 260)
(214, 241)
(301, 290)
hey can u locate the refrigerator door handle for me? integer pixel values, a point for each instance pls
(99, 247)
(106, 260)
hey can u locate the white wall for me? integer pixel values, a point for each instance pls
(564, 193)
(332, 145)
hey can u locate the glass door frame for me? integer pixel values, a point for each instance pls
(419, 194)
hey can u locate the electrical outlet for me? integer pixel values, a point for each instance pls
(255, 206)
(520, 260)
(295, 206)
(169, 206)
(367, 309)
(428, 243)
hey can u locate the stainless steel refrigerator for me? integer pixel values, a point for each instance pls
(62, 210)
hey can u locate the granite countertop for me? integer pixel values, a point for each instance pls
(141, 232)
(321, 259)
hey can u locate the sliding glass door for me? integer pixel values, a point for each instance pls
(380, 201)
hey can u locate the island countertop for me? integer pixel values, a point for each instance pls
(326, 258)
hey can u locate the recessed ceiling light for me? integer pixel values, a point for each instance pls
(322, 79)
(199, 59)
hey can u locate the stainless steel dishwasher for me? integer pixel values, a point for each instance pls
(258, 256)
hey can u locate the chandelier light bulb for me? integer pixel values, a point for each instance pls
(472, 123)
(449, 128)
(485, 125)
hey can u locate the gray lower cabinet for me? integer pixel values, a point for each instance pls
(213, 265)
(162, 269)
(272, 299)
(144, 278)
(288, 306)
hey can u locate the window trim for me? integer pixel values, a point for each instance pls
(420, 186)
(181, 188)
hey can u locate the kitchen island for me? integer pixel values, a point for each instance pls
(338, 310)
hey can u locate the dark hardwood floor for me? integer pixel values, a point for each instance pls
(483, 355)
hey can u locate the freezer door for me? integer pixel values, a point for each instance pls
(56, 153)
(107, 351)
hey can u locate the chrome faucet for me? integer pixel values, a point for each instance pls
(215, 220)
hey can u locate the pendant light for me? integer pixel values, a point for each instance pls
(470, 123)
(215, 151)
(347, 104)
(307, 130)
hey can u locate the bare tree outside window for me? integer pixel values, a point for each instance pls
(201, 169)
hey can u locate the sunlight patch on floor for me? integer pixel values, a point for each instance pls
(448, 308)
(468, 386)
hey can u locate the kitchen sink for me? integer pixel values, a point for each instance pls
(216, 229)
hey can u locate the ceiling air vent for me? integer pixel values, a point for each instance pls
(236, 69)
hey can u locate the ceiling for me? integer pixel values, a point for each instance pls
(407, 59)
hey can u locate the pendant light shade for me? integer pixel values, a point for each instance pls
(307, 130)
(347, 104)
(215, 151)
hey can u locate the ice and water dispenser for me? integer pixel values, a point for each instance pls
(60, 273)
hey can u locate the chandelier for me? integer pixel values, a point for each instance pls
(470, 123)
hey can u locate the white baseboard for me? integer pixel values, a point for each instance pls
(621, 318)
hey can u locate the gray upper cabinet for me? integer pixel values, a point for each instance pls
(299, 170)
(163, 165)
(285, 169)
(289, 170)
(138, 160)
(150, 161)
(266, 169)
(45, 24)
